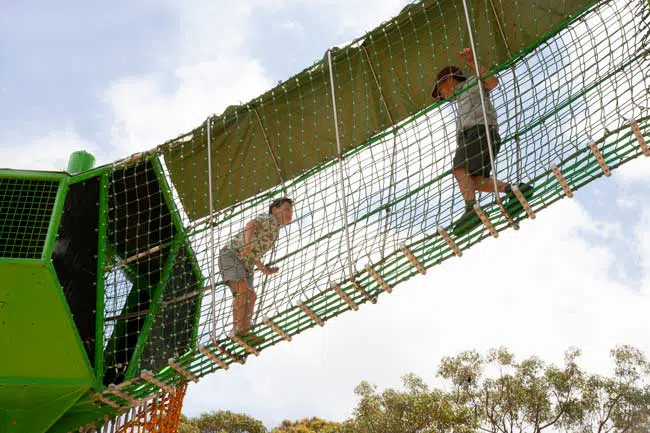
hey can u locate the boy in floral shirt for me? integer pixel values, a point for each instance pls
(242, 254)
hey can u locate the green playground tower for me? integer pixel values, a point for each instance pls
(61, 234)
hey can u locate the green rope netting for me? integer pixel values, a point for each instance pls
(570, 74)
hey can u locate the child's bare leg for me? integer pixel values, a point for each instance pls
(466, 184)
(250, 307)
(239, 304)
(486, 184)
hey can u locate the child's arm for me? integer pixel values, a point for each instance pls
(488, 83)
(249, 232)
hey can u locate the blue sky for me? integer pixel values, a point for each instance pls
(124, 76)
(58, 58)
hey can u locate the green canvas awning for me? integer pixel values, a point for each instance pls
(379, 80)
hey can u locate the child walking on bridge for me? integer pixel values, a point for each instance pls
(242, 254)
(471, 164)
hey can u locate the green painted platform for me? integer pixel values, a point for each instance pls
(41, 373)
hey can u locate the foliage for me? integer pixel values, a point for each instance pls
(188, 426)
(492, 393)
(222, 422)
(307, 425)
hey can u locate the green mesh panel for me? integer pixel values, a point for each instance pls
(25, 210)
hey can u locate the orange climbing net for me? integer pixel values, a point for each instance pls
(162, 414)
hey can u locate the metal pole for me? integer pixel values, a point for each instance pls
(485, 121)
(514, 77)
(391, 186)
(210, 224)
(340, 165)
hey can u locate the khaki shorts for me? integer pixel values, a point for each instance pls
(232, 268)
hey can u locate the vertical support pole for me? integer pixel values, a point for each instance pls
(477, 69)
(516, 90)
(99, 285)
(479, 84)
(340, 165)
(391, 188)
(189, 252)
(268, 145)
(213, 303)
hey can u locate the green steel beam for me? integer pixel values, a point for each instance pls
(138, 284)
(55, 219)
(166, 192)
(187, 246)
(94, 172)
(32, 175)
(13, 261)
(101, 261)
(154, 305)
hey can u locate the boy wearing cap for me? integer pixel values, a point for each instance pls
(471, 164)
(242, 254)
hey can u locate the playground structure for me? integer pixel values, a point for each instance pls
(110, 297)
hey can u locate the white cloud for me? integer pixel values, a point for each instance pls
(145, 116)
(292, 26)
(208, 69)
(643, 243)
(48, 151)
(625, 203)
(211, 68)
(357, 16)
(636, 171)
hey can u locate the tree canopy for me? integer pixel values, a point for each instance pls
(491, 393)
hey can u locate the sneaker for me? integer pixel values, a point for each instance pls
(468, 221)
(250, 338)
(526, 189)
(257, 341)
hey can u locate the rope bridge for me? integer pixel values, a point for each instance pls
(365, 153)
